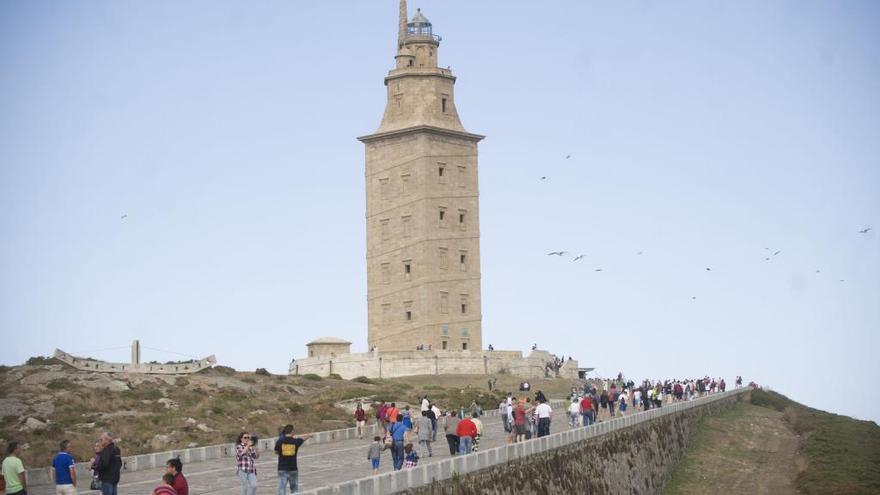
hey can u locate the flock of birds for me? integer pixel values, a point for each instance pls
(775, 253)
(708, 269)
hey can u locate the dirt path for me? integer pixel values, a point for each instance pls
(748, 449)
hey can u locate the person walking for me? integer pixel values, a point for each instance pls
(502, 411)
(380, 416)
(175, 468)
(450, 427)
(13, 471)
(574, 412)
(424, 433)
(360, 418)
(63, 470)
(479, 424)
(374, 454)
(586, 410)
(466, 430)
(287, 449)
(109, 464)
(545, 413)
(398, 434)
(245, 455)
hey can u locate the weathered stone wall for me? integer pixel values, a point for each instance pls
(147, 368)
(411, 363)
(632, 460)
(631, 454)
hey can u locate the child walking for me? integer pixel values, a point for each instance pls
(375, 453)
(412, 458)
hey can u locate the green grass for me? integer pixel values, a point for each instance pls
(842, 454)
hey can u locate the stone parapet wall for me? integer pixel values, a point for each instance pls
(411, 363)
(631, 454)
(94, 365)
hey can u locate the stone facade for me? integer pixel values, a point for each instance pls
(409, 363)
(94, 365)
(423, 248)
(328, 347)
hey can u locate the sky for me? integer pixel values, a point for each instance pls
(701, 134)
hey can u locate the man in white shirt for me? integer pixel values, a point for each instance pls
(425, 404)
(574, 412)
(545, 413)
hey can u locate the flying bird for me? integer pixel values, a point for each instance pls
(543, 177)
(597, 270)
(708, 269)
(639, 253)
(817, 271)
(123, 217)
(841, 280)
(567, 157)
(777, 252)
(557, 253)
(579, 257)
(693, 297)
(865, 231)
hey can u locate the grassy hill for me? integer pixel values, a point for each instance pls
(775, 445)
(45, 402)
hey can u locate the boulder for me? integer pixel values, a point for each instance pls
(204, 427)
(33, 424)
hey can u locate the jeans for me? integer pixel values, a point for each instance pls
(285, 478)
(465, 444)
(573, 421)
(588, 418)
(543, 427)
(248, 483)
(107, 488)
(452, 440)
(397, 454)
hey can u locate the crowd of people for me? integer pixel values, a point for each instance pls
(408, 434)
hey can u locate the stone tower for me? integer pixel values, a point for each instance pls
(423, 236)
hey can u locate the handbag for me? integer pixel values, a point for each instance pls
(95, 484)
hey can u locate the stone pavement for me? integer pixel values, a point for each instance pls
(319, 465)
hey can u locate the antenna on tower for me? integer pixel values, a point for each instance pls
(401, 24)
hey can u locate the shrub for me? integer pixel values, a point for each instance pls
(334, 376)
(363, 379)
(58, 384)
(263, 372)
(224, 370)
(311, 376)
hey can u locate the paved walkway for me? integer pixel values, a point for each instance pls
(319, 465)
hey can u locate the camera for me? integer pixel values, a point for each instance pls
(254, 439)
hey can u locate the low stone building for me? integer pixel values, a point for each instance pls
(328, 347)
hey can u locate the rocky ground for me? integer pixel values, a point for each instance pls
(42, 404)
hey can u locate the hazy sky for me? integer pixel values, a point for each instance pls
(700, 133)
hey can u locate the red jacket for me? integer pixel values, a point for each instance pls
(466, 428)
(180, 485)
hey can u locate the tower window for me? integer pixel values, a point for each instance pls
(444, 302)
(409, 315)
(442, 217)
(407, 311)
(444, 344)
(384, 185)
(410, 62)
(404, 183)
(460, 217)
(442, 214)
(462, 260)
(407, 268)
(441, 173)
(462, 176)
(443, 104)
(443, 254)
(386, 234)
(464, 346)
(464, 308)
(407, 225)
(386, 273)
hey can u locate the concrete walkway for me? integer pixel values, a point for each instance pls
(319, 465)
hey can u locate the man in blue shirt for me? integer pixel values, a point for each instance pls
(397, 431)
(64, 470)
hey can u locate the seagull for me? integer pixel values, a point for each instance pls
(865, 231)
(817, 271)
(841, 280)
(693, 297)
(557, 253)
(708, 269)
(639, 253)
(579, 257)
(123, 217)
(597, 270)
(543, 177)
(567, 157)
(777, 252)
(766, 259)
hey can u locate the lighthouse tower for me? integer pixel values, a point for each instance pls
(423, 236)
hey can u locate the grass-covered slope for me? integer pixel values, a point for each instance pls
(775, 445)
